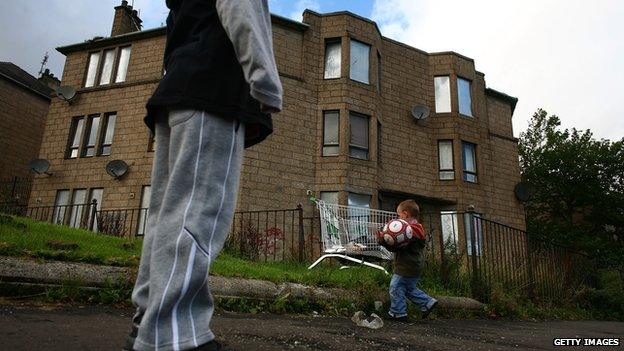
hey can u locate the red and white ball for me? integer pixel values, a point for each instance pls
(397, 233)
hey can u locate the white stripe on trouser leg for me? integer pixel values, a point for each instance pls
(227, 173)
(188, 205)
(214, 226)
(185, 285)
(175, 259)
(191, 309)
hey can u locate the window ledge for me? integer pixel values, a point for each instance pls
(118, 85)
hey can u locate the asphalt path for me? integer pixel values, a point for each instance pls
(45, 327)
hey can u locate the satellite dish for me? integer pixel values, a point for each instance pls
(524, 191)
(66, 93)
(116, 168)
(40, 166)
(420, 112)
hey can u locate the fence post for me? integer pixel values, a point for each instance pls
(530, 276)
(301, 235)
(93, 213)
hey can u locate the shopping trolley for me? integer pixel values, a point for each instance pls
(350, 233)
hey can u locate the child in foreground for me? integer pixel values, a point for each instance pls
(407, 267)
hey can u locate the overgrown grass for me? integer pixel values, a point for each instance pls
(27, 238)
(356, 277)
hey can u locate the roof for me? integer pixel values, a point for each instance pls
(99, 42)
(512, 101)
(22, 78)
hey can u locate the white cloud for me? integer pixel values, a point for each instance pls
(297, 12)
(564, 56)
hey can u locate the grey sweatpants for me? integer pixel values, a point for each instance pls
(194, 186)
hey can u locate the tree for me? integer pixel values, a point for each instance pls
(579, 188)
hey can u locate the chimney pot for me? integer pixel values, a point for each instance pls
(126, 20)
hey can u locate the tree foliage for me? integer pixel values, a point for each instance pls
(579, 188)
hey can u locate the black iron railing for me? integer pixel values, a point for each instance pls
(466, 251)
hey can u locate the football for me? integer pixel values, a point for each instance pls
(397, 233)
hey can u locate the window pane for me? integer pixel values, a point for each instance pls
(449, 229)
(77, 208)
(92, 136)
(122, 69)
(447, 175)
(60, 206)
(107, 68)
(442, 94)
(358, 153)
(358, 67)
(76, 133)
(463, 95)
(469, 162)
(146, 196)
(331, 128)
(329, 196)
(358, 214)
(359, 200)
(331, 150)
(470, 177)
(445, 153)
(332, 59)
(359, 130)
(108, 134)
(473, 229)
(94, 60)
(468, 156)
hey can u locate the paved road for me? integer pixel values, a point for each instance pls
(29, 327)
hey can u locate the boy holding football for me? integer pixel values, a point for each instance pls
(407, 266)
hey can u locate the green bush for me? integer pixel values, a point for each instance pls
(607, 299)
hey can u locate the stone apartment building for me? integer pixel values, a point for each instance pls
(346, 132)
(24, 103)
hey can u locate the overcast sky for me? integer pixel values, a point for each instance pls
(566, 56)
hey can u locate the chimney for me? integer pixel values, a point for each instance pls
(49, 80)
(126, 20)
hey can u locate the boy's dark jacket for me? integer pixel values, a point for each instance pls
(409, 260)
(202, 71)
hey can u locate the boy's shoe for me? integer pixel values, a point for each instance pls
(427, 311)
(402, 319)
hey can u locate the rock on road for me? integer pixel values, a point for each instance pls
(30, 327)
